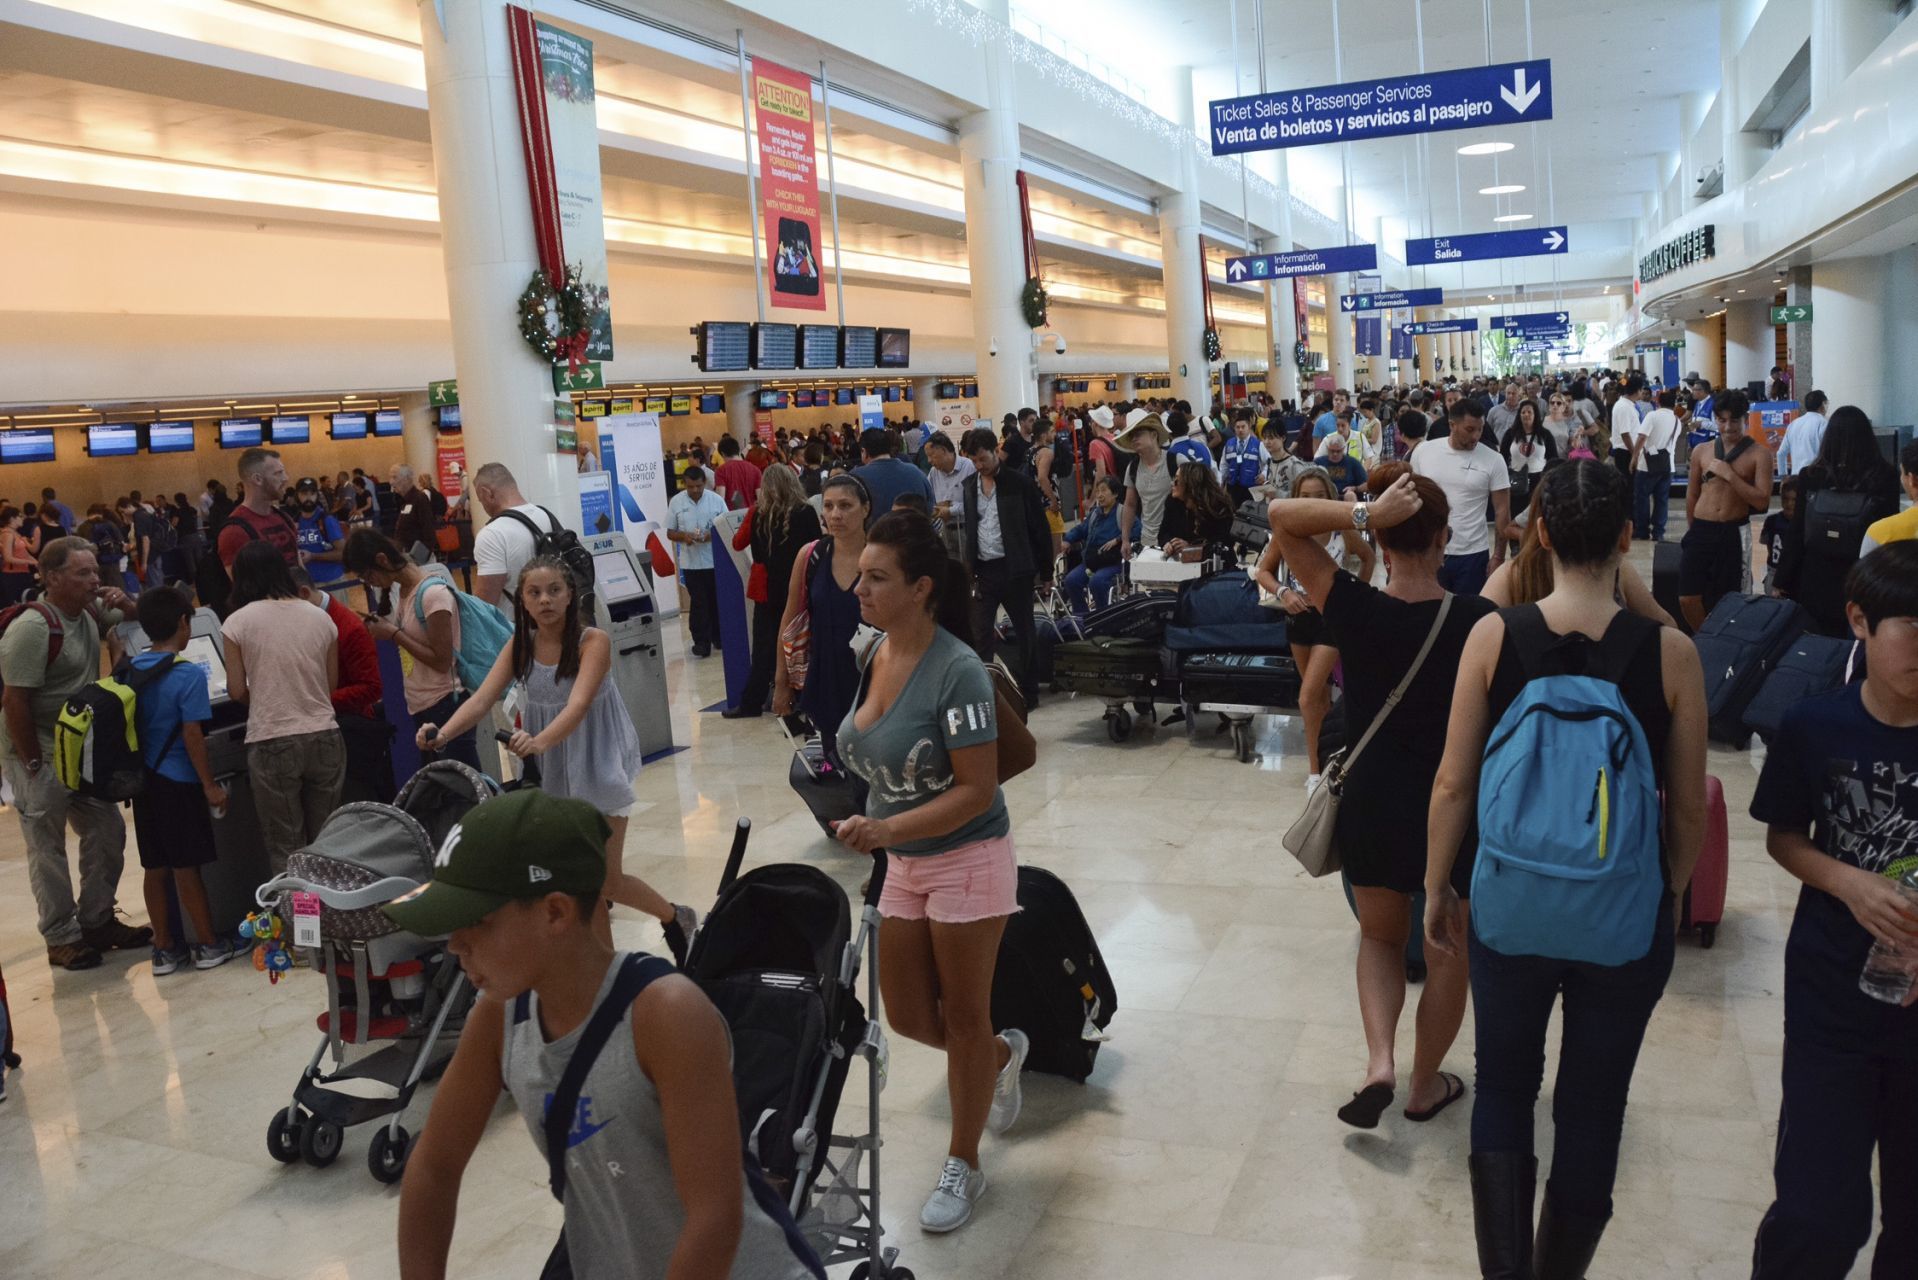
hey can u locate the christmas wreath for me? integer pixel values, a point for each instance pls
(557, 323)
(1213, 351)
(1033, 301)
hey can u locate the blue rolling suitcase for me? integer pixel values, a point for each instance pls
(1740, 643)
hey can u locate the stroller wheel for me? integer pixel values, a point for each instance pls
(283, 1139)
(320, 1142)
(386, 1157)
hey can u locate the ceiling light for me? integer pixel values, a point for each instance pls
(1513, 217)
(1485, 148)
(1509, 189)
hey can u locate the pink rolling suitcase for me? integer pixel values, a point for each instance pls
(1704, 904)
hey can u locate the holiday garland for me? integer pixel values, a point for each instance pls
(557, 324)
(1213, 351)
(1033, 301)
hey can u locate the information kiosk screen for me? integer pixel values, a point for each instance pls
(618, 580)
(204, 653)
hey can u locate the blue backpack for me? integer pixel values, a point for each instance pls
(484, 631)
(1569, 856)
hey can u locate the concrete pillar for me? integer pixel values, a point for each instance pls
(1863, 343)
(1843, 32)
(923, 395)
(1338, 333)
(742, 401)
(486, 238)
(1798, 337)
(1182, 267)
(1751, 346)
(1427, 345)
(1702, 337)
(1128, 387)
(1282, 329)
(989, 162)
(420, 434)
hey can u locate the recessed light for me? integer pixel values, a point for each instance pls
(1741, 291)
(1485, 148)
(1513, 217)
(352, 397)
(1509, 189)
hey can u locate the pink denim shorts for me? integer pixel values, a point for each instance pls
(977, 881)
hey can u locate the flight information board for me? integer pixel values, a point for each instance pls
(858, 347)
(818, 346)
(725, 346)
(775, 346)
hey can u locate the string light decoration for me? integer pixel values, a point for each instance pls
(964, 20)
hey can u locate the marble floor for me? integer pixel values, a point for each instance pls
(1204, 1145)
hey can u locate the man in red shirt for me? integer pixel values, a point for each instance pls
(359, 690)
(259, 517)
(759, 455)
(737, 480)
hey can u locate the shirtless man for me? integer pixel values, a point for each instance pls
(1729, 480)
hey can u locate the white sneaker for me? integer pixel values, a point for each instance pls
(950, 1205)
(1312, 783)
(1006, 1094)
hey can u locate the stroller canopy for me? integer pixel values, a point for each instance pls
(378, 838)
(442, 793)
(789, 917)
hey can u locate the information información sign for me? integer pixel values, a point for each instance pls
(1391, 301)
(1487, 244)
(1421, 327)
(1468, 98)
(1303, 262)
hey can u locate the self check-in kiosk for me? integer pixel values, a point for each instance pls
(627, 608)
(240, 863)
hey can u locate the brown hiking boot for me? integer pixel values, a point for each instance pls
(117, 935)
(72, 955)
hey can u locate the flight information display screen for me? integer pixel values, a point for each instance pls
(292, 430)
(818, 346)
(895, 348)
(170, 437)
(240, 433)
(775, 346)
(388, 422)
(349, 426)
(113, 440)
(858, 347)
(725, 346)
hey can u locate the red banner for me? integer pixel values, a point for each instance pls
(452, 470)
(788, 185)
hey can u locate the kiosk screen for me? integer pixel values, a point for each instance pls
(618, 580)
(204, 652)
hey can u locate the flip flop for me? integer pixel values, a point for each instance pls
(1367, 1105)
(1454, 1090)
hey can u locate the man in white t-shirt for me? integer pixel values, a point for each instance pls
(1652, 443)
(1804, 436)
(503, 547)
(1626, 415)
(1471, 475)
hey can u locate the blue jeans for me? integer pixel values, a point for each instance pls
(1651, 496)
(1606, 1010)
(1465, 575)
(464, 748)
(1097, 585)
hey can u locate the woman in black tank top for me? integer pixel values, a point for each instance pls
(1578, 630)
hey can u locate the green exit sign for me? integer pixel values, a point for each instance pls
(589, 378)
(443, 393)
(1791, 315)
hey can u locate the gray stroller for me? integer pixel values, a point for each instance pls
(382, 985)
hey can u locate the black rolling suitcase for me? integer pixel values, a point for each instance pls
(1050, 980)
(1142, 616)
(1108, 667)
(1814, 664)
(1665, 558)
(1738, 646)
(1250, 524)
(1239, 679)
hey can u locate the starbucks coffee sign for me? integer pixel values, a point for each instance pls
(1693, 247)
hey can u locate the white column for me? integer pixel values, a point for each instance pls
(923, 396)
(486, 238)
(1744, 153)
(995, 254)
(1751, 347)
(1128, 387)
(1843, 32)
(1851, 311)
(742, 400)
(1338, 333)
(1282, 330)
(1701, 349)
(1427, 345)
(421, 435)
(1180, 264)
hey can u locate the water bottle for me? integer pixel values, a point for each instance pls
(1890, 970)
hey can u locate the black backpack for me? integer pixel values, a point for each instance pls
(564, 545)
(1051, 982)
(1835, 525)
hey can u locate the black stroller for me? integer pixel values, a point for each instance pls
(779, 958)
(381, 984)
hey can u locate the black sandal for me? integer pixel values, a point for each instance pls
(1366, 1106)
(1454, 1090)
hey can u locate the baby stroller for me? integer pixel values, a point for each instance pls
(779, 958)
(382, 984)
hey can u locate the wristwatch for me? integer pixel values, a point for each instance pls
(1361, 516)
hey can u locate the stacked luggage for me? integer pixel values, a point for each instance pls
(1230, 654)
(1117, 660)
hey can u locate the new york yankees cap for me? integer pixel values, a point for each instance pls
(516, 847)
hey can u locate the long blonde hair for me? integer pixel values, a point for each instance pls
(780, 494)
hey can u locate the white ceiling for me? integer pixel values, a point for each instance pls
(1619, 70)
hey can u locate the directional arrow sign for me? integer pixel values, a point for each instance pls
(1468, 98)
(1442, 326)
(1534, 320)
(443, 393)
(1490, 244)
(1790, 315)
(1303, 262)
(1391, 301)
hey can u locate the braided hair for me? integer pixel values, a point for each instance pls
(1584, 504)
(525, 629)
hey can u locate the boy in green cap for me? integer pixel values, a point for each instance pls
(652, 1178)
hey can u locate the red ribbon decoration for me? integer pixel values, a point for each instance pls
(536, 142)
(1030, 243)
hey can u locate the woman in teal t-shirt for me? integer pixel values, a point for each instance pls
(923, 735)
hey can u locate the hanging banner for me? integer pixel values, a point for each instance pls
(788, 184)
(1365, 341)
(633, 456)
(559, 135)
(451, 471)
(1402, 345)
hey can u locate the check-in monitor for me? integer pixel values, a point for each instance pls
(204, 653)
(618, 579)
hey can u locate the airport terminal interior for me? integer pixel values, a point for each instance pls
(1145, 371)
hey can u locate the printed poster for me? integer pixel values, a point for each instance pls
(954, 417)
(788, 185)
(635, 464)
(596, 502)
(452, 470)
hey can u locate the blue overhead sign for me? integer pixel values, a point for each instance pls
(1442, 326)
(1535, 321)
(1303, 262)
(1468, 98)
(1389, 301)
(1488, 244)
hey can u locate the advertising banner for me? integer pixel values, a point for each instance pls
(1365, 341)
(953, 418)
(872, 412)
(788, 184)
(596, 502)
(635, 462)
(559, 132)
(451, 471)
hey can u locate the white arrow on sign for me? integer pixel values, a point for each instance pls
(1348, 301)
(1554, 240)
(1519, 97)
(1238, 269)
(1560, 317)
